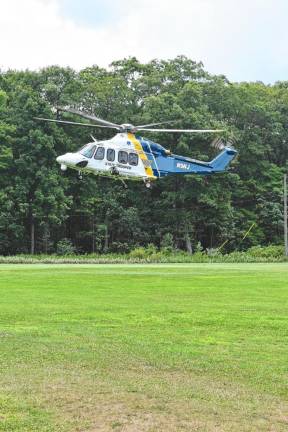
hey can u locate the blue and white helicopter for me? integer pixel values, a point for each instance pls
(130, 156)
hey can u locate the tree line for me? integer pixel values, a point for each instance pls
(39, 206)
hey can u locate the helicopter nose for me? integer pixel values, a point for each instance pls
(60, 159)
(72, 160)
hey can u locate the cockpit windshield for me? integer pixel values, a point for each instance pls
(88, 150)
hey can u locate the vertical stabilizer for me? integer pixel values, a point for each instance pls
(223, 159)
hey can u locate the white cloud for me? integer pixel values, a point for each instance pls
(244, 40)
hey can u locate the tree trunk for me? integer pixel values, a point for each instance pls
(188, 241)
(106, 243)
(46, 238)
(211, 236)
(32, 248)
(93, 233)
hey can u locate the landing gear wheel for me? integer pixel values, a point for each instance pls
(148, 185)
(80, 176)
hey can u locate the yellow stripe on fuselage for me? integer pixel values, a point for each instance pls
(142, 154)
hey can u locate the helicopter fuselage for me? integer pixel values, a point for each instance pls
(133, 157)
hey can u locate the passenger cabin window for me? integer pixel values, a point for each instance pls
(100, 153)
(110, 155)
(88, 151)
(133, 159)
(123, 157)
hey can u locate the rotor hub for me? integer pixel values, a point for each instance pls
(127, 127)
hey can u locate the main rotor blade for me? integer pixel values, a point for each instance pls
(183, 130)
(156, 124)
(90, 117)
(71, 123)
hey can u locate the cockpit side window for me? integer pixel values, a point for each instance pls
(88, 151)
(133, 159)
(100, 153)
(110, 155)
(123, 157)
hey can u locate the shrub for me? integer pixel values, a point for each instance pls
(198, 248)
(272, 251)
(65, 247)
(167, 243)
(212, 252)
(139, 252)
(151, 249)
(119, 248)
(143, 253)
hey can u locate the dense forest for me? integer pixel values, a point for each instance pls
(40, 206)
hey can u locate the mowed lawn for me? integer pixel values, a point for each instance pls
(201, 347)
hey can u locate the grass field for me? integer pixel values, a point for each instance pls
(199, 347)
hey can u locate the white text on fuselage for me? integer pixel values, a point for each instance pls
(118, 165)
(182, 165)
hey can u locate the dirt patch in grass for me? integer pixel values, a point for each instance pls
(166, 401)
(136, 413)
(146, 399)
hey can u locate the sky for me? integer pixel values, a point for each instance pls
(246, 40)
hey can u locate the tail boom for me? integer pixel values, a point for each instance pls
(175, 164)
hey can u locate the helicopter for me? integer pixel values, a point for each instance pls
(129, 156)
